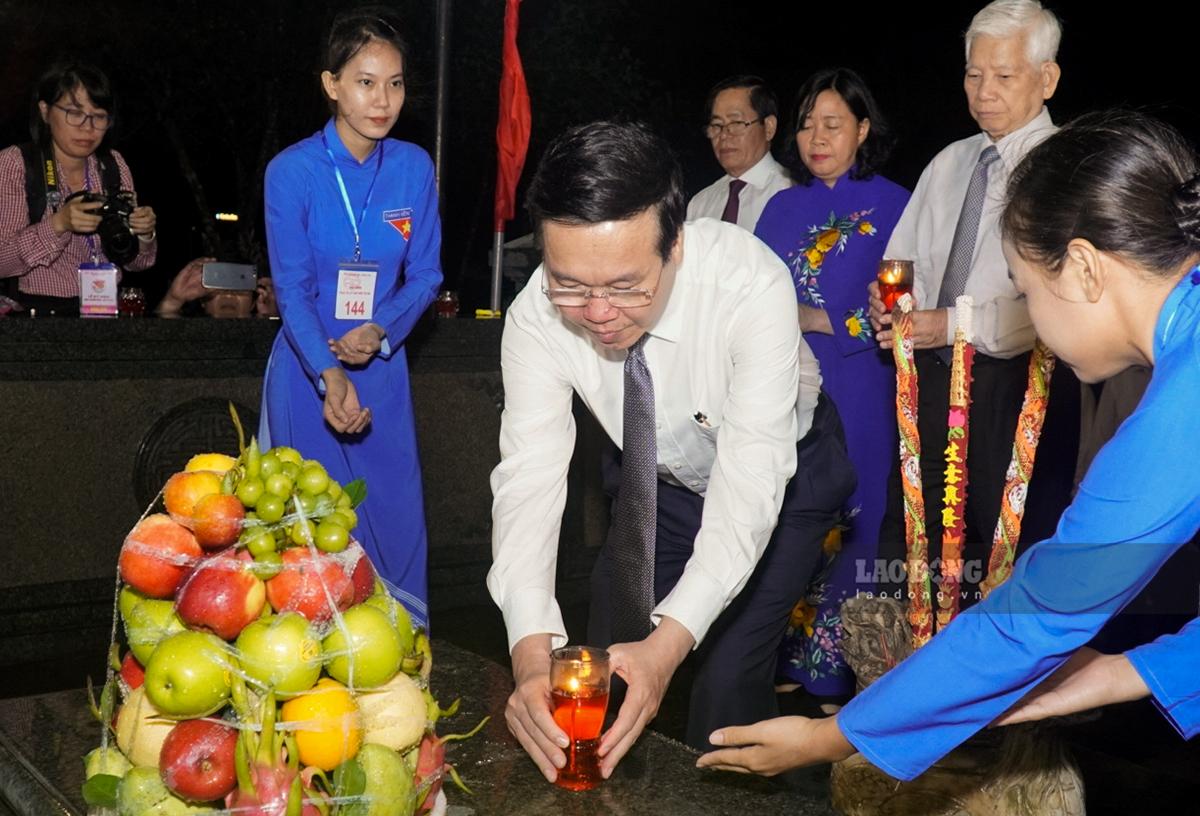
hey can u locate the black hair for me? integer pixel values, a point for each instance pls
(608, 171)
(353, 29)
(762, 98)
(875, 149)
(1124, 181)
(61, 79)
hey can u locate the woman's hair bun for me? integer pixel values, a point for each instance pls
(1186, 200)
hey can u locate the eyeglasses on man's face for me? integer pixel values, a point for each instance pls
(617, 298)
(713, 130)
(76, 117)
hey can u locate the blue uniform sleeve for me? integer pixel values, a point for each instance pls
(293, 267)
(1136, 507)
(1170, 667)
(422, 268)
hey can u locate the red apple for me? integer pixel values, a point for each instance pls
(184, 491)
(222, 596)
(302, 583)
(217, 520)
(363, 579)
(197, 760)
(157, 555)
(132, 672)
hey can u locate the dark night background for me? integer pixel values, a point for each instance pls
(209, 91)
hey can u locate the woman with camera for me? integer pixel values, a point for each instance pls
(355, 240)
(66, 199)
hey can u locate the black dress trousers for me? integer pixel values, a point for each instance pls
(735, 664)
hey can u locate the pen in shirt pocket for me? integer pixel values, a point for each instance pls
(700, 419)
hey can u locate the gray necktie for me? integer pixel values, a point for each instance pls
(958, 268)
(631, 535)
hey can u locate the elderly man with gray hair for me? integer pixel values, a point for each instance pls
(950, 231)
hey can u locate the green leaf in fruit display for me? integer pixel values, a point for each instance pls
(101, 791)
(103, 711)
(357, 491)
(237, 423)
(350, 783)
(114, 657)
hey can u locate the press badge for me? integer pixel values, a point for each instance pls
(97, 290)
(356, 290)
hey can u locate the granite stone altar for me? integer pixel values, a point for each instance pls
(44, 738)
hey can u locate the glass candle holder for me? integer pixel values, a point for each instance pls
(895, 279)
(579, 699)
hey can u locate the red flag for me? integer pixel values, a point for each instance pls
(512, 128)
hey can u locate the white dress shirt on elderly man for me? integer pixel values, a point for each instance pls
(1000, 321)
(763, 180)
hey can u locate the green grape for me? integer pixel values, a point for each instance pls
(303, 531)
(250, 491)
(313, 479)
(344, 517)
(267, 565)
(280, 485)
(286, 454)
(291, 470)
(331, 537)
(344, 500)
(269, 465)
(334, 491)
(270, 508)
(308, 503)
(261, 543)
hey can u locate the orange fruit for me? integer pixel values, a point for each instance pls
(216, 462)
(184, 491)
(326, 724)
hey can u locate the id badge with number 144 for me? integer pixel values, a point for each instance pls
(356, 290)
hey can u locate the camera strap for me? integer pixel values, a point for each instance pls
(41, 179)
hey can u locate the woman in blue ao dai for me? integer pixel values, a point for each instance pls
(354, 240)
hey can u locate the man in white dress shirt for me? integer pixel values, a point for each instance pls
(742, 115)
(1011, 71)
(696, 326)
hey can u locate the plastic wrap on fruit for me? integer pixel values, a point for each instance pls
(142, 793)
(247, 592)
(266, 765)
(197, 760)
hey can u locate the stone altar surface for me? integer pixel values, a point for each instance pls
(43, 739)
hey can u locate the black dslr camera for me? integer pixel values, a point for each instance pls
(120, 244)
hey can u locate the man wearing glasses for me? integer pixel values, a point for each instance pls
(742, 116)
(683, 342)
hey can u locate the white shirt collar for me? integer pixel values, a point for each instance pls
(1015, 145)
(760, 175)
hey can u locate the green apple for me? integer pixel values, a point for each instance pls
(363, 647)
(108, 760)
(148, 623)
(389, 781)
(142, 793)
(189, 675)
(281, 652)
(128, 599)
(399, 618)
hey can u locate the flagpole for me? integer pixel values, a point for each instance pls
(443, 81)
(497, 267)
